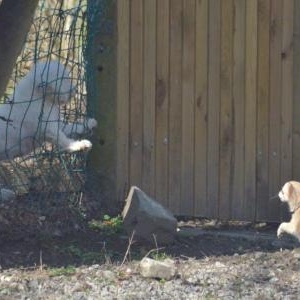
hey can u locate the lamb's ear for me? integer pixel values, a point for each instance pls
(43, 88)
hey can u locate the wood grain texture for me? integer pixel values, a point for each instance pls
(208, 104)
(214, 43)
(238, 90)
(249, 199)
(201, 85)
(123, 15)
(275, 106)
(296, 92)
(162, 101)
(175, 129)
(263, 82)
(287, 91)
(188, 107)
(149, 91)
(136, 93)
(226, 111)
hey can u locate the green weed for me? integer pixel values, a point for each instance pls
(64, 271)
(109, 225)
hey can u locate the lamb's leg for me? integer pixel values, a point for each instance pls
(78, 128)
(71, 145)
(58, 137)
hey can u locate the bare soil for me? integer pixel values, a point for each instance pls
(216, 260)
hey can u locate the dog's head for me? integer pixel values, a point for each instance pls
(290, 193)
(52, 81)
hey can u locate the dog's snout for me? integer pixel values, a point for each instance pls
(274, 197)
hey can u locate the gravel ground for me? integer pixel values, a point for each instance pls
(266, 274)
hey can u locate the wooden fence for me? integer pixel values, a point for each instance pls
(208, 107)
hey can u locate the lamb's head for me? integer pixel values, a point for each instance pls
(52, 81)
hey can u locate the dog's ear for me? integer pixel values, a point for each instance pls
(289, 190)
(293, 195)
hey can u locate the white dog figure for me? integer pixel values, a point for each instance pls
(290, 194)
(32, 115)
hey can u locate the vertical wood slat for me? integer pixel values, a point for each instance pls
(287, 88)
(188, 126)
(226, 111)
(263, 108)
(249, 201)
(175, 136)
(149, 82)
(214, 14)
(275, 105)
(162, 101)
(296, 93)
(123, 15)
(201, 85)
(287, 91)
(136, 92)
(238, 89)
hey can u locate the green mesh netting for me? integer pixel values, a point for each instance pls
(59, 32)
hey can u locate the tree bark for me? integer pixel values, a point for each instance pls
(15, 21)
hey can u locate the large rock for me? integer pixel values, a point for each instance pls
(6, 195)
(151, 268)
(148, 219)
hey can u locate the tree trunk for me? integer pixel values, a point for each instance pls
(15, 21)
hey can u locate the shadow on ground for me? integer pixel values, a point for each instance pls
(52, 245)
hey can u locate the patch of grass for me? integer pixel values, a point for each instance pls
(92, 257)
(64, 271)
(85, 256)
(109, 225)
(73, 250)
(158, 254)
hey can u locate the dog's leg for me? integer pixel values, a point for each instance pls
(78, 128)
(287, 228)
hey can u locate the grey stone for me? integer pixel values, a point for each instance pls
(148, 219)
(7, 195)
(152, 268)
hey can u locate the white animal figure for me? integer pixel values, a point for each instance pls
(290, 194)
(32, 114)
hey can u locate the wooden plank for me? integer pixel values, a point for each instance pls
(175, 136)
(275, 103)
(188, 126)
(123, 19)
(201, 83)
(226, 110)
(287, 91)
(136, 92)
(239, 39)
(263, 108)
(296, 93)
(162, 102)
(213, 108)
(149, 61)
(249, 203)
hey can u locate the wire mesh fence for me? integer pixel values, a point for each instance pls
(48, 171)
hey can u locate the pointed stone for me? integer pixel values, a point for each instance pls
(148, 219)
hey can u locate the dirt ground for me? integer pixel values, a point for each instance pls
(63, 237)
(62, 250)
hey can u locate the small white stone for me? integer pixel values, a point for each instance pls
(157, 269)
